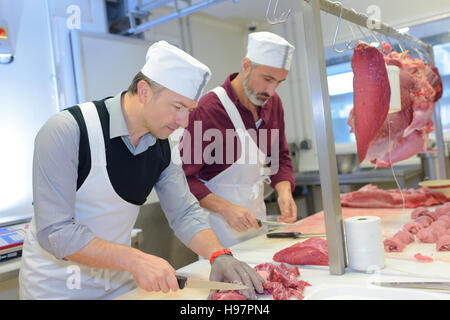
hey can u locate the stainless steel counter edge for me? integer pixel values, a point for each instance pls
(362, 176)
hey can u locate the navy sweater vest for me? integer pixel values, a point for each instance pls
(132, 177)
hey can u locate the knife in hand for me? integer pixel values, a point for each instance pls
(184, 282)
(273, 223)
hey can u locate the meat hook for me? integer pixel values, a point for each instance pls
(347, 45)
(281, 19)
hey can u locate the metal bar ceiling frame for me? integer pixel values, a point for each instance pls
(178, 13)
(320, 102)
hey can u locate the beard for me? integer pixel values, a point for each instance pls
(258, 99)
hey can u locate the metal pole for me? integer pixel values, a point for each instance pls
(320, 102)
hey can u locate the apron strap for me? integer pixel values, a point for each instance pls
(230, 108)
(95, 133)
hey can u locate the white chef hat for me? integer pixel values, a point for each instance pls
(176, 70)
(269, 49)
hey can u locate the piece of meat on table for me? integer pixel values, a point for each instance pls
(445, 219)
(228, 295)
(438, 227)
(423, 258)
(443, 243)
(417, 212)
(425, 221)
(391, 137)
(398, 242)
(370, 196)
(442, 210)
(427, 235)
(281, 281)
(313, 251)
(412, 227)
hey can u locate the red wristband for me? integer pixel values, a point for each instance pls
(219, 253)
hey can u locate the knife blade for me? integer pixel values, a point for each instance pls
(273, 223)
(437, 285)
(294, 235)
(184, 282)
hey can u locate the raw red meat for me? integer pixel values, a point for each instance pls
(425, 221)
(384, 138)
(393, 244)
(370, 196)
(412, 227)
(445, 219)
(420, 257)
(371, 95)
(280, 280)
(442, 210)
(438, 227)
(398, 241)
(443, 243)
(313, 251)
(427, 235)
(419, 211)
(228, 295)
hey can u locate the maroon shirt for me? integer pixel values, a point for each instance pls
(212, 114)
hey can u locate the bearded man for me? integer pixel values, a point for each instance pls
(245, 119)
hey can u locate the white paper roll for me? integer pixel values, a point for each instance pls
(395, 103)
(364, 241)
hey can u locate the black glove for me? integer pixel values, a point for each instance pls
(226, 268)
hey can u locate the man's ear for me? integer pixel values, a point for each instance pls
(246, 65)
(144, 92)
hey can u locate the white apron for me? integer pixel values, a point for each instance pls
(105, 213)
(242, 183)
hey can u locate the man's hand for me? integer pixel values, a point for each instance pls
(286, 202)
(239, 218)
(152, 273)
(226, 268)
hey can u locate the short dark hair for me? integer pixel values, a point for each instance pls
(156, 87)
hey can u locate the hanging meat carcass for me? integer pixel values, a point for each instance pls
(385, 138)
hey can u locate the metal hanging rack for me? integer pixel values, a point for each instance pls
(320, 101)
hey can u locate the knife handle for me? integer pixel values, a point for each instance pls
(181, 281)
(283, 235)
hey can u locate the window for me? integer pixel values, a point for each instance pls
(442, 58)
(340, 86)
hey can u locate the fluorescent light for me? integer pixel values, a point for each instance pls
(403, 30)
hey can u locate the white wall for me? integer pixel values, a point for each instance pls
(25, 100)
(27, 91)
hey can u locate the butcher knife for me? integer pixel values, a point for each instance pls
(184, 282)
(273, 223)
(294, 235)
(415, 285)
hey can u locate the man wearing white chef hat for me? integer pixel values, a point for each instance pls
(94, 165)
(233, 191)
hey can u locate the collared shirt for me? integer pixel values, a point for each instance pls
(55, 170)
(211, 115)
